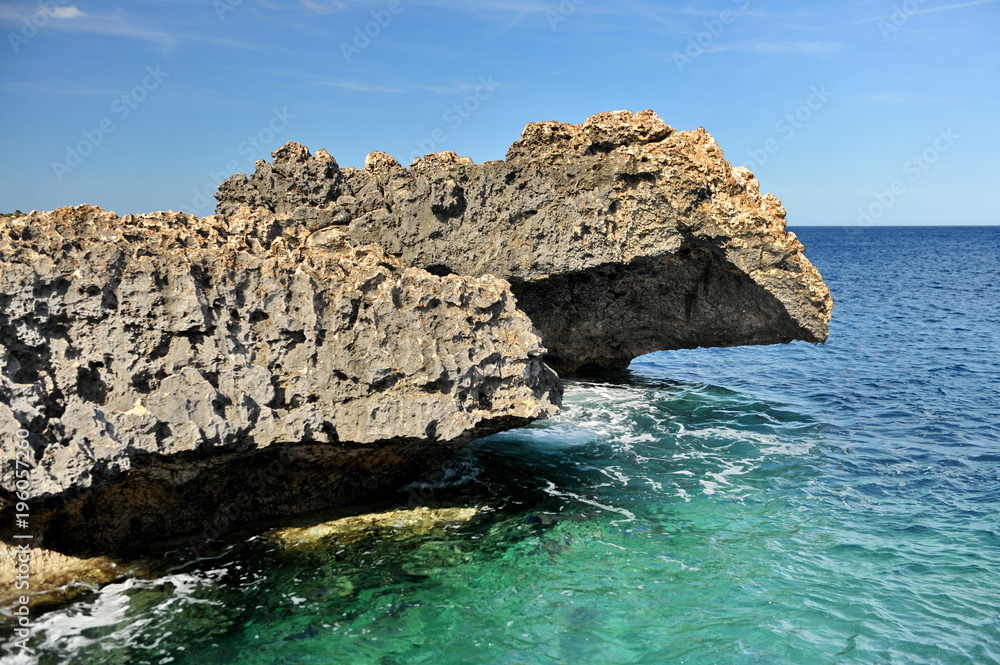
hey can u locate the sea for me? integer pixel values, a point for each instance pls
(790, 504)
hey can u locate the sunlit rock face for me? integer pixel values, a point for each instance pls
(620, 236)
(168, 374)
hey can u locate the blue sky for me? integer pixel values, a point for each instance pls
(851, 111)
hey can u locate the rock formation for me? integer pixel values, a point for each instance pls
(620, 236)
(175, 375)
(331, 334)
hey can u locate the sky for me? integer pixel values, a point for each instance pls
(870, 112)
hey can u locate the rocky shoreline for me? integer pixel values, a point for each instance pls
(331, 334)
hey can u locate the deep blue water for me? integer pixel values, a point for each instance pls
(787, 504)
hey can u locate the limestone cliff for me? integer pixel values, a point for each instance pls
(620, 236)
(331, 334)
(170, 373)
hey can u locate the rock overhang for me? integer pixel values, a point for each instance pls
(162, 360)
(575, 218)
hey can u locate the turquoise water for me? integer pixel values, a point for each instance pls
(792, 504)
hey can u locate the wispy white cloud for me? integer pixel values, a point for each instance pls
(509, 13)
(359, 86)
(931, 10)
(795, 48)
(656, 10)
(17, 13)
(117, 24)
(66, 12)
(71, 19)
(323, 7)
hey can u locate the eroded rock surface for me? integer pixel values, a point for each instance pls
(176, 375)
(620, 236)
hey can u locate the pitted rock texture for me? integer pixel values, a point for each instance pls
(161, 363)
(620, 236)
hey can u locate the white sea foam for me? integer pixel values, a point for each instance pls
(634, 422)
(554, 491)
(767, 443)
(615, 474)
(109, 613)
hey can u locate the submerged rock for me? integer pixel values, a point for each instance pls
(175, 375)
(395, 523)
(620, 236)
